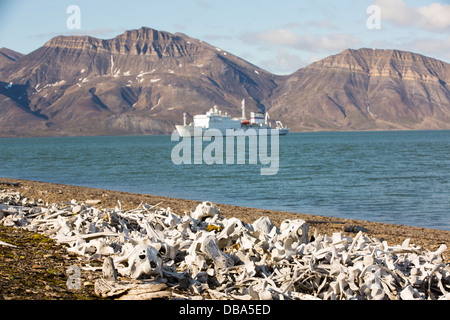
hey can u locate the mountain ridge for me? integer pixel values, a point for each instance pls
(141, 81)
(368, 89)
(7, 56)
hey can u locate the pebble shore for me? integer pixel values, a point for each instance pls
(429, 239)
(46, 193)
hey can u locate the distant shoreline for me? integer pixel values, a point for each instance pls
(429, 239)
(168, 134)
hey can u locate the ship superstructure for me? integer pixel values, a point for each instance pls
(215, 119)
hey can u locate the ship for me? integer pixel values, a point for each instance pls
(214, 119)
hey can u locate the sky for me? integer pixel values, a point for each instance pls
(279, 36)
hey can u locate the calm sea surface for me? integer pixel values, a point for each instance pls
(394, 177)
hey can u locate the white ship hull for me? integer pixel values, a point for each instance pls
(215, 120)
(191, 131)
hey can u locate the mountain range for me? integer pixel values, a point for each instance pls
(142, 81)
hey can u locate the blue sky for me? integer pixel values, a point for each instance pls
(279, 36)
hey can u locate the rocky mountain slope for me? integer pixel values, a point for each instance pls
(7, 56)
(367, 89)
(141, 82)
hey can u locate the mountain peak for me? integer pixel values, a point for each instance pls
(140, 81)
(143, 41)
(145, 33)
(387, 62)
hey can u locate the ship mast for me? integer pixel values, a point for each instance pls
(243, 109)
(266, 120)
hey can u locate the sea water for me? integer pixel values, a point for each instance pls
(399, 177)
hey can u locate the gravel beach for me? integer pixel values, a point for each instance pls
(35, 269)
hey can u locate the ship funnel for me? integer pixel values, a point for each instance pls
(243, 109)
(184, 118)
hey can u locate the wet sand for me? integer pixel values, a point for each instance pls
(429, 239)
